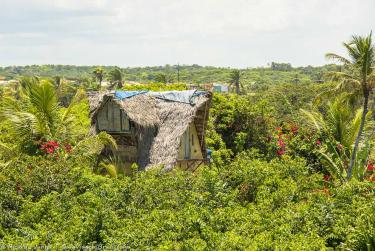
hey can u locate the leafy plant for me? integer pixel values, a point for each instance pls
(359, 75)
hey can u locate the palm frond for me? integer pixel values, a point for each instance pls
(353, 127)
(7, 152)
(80, 94)
(109, 168)
(25, 124)
(337, 58)
(314, 118)
(93, 145)
(331, 166)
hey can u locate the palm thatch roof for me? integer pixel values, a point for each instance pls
(159, 123)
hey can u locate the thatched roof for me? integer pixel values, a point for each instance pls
(140, 109)
(167, 119)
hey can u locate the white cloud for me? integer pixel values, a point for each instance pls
(208, 32)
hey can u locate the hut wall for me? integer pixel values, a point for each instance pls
(111, 118)
(190, 147)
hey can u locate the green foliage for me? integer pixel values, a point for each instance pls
(245, 205)
(163, 78)
(192, 74)
(98, 74)
(268, 186)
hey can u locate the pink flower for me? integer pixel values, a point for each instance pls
(318, 142)
(281, 143)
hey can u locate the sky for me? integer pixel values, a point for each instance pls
(226, 33)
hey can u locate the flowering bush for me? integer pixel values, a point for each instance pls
(294, 141)
(55, 149)
(50, 147)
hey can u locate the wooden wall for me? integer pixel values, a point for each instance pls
(111, 118)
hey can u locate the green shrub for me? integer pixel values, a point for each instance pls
(249, 204)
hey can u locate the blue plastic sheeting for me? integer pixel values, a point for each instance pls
(128, 94)
(187, 97)
(209, 152)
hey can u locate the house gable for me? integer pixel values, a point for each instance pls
(113, 119)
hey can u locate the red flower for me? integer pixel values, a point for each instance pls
(327, 177)
(278, 128)
(318, 142)
(49, 147)
(54, 144)
(280, 152)
(294, 129)
(370, 166)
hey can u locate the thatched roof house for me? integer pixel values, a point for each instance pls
(154, 128)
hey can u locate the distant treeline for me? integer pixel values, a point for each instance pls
(274, 74)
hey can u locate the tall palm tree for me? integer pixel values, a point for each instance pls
(115, 77)
(99, 75)
(235, 77)
(359, 76)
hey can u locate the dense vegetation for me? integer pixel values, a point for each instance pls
(292, 166)
(193, 74)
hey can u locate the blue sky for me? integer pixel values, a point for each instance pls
(236, 33)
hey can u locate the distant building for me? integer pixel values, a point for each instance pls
(220, 88)
(216, 87)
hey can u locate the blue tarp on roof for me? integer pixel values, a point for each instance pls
(128, 94)
(178, 96)
(187, 97)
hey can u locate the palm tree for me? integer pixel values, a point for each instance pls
(235, 77)
(338, 127)
(359, 76)
(99, 75)
(115, 77)
(36, 117)
(163, 78)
